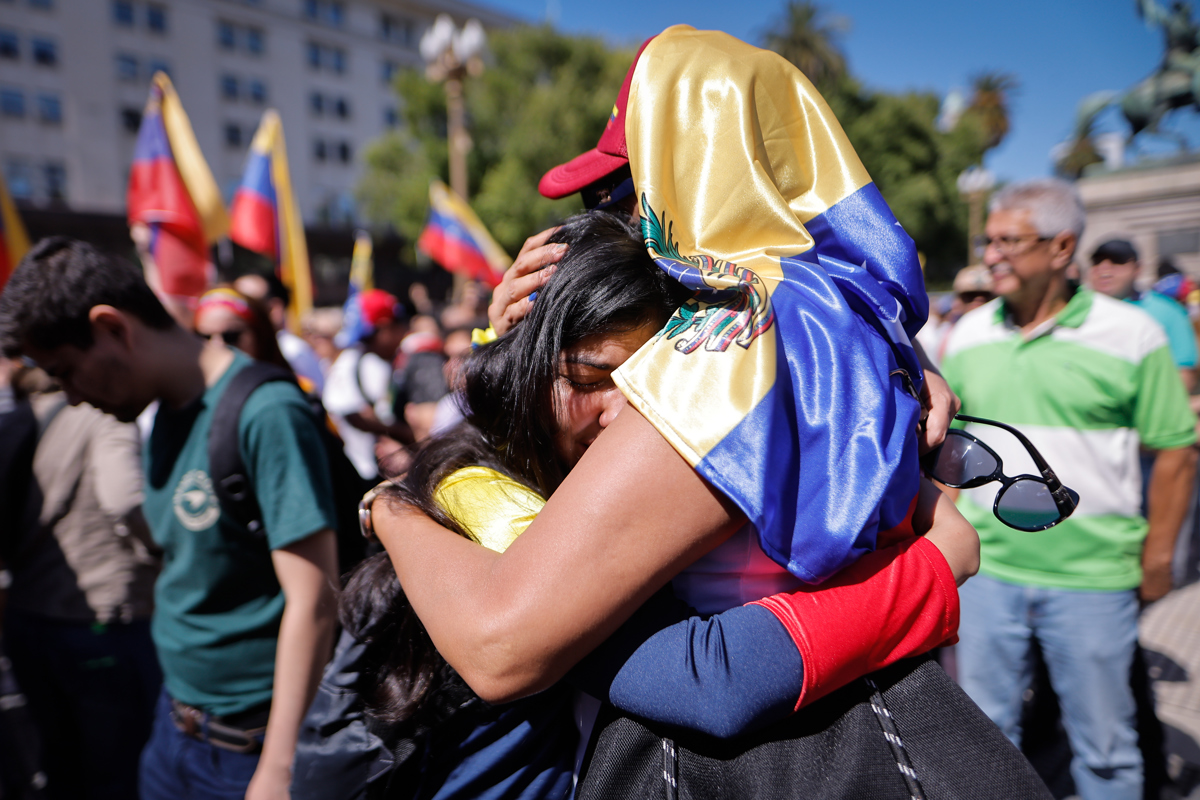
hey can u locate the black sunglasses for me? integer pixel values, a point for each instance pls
(1026, 502)
(229, 337)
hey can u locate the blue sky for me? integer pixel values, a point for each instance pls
(1060, 51)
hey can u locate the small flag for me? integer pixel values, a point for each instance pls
(265, 217)
(14, 241)
(172, 191)
(455, 238)
(362, 279)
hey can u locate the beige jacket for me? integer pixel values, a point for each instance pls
(90, 558)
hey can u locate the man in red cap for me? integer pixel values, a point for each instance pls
(358, 389)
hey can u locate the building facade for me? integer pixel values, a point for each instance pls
(1154, 204)
(74, 76)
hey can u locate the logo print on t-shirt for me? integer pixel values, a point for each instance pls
(196, 504)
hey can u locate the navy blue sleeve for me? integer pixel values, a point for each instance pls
(726, 675)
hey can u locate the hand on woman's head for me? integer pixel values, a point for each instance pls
(529, 272)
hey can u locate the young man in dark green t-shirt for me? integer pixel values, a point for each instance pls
(243, 622)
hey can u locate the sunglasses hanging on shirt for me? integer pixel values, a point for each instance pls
(1024, 502)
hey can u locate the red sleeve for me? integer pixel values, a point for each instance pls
(894, 603)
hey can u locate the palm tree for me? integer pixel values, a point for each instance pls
(990, 95)
(807, 35)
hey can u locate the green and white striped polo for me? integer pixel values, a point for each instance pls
(1086, 387)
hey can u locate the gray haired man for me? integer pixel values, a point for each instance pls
(1088, 379)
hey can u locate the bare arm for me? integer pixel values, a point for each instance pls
(939, 399)
(366, 420)
(627, 519)
(307, 572)
(1170, 492)
(948, 530)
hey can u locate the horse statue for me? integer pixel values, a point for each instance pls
(1175, 84)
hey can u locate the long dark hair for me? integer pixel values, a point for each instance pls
(606, 283)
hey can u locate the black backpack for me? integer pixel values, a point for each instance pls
(232, 485)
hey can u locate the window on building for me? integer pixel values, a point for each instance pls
(255, 41)
(10, 45)
(20, 178)
(131, 119)
(50, 109)
(12, 103)
(327, 12)
(54, 179)
(45, 52)
(122, 12)
(233, 134)
(158, 65)
(316, 103)
(257, 90)
(388, 70)
(325, 57)
(229, 87)
(397, 30)
(226, 35)
(341, 108)
(127, 67)
(391, 117)
(344, 153)
(319, 151)
(156, 18)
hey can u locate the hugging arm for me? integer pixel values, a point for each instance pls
(629, 517)
(753, 665)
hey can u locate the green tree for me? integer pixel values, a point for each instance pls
(807, 35)
(913, 164)
(543, 99)
(991, 92)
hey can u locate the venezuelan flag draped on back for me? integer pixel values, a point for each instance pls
(455, 238)
(266, 218)
(776, 382)
(172, 191)
(14, 241)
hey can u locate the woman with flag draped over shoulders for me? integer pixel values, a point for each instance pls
(770, 438)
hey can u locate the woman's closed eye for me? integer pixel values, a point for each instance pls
(586, 377)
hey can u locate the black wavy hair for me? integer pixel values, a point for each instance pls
(606, 283)
(48, 297)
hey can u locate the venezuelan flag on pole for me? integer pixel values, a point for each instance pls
(266, 218)
(14, 241)
(455, 238)
(172, 191)
(362, 279)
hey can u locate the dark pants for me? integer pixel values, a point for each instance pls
(177, 767)
(91, 691)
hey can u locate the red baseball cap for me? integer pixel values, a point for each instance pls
(610, 153)
(378, 307)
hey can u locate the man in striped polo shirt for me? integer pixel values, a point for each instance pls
(1088, 379)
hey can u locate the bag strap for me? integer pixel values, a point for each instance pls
(226, 467)
(892, 734)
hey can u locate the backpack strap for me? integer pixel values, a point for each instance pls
(226, 467)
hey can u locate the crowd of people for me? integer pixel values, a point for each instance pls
(645, 522)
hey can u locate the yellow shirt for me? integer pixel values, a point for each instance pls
(493, 509)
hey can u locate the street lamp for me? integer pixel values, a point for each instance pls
(974, 184)
(451, 54)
